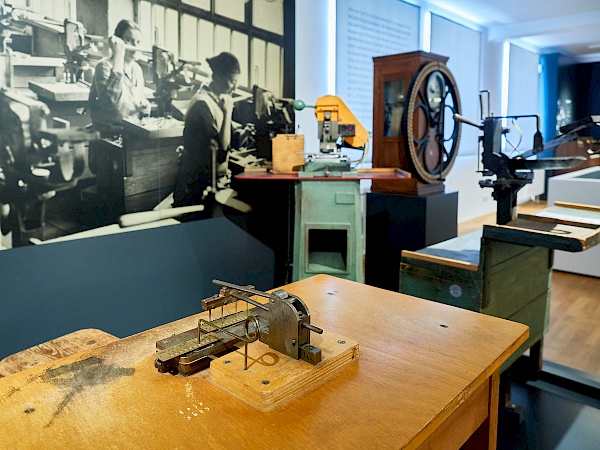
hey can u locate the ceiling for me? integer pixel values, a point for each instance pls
(568, 27)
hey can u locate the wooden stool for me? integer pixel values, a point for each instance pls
(60, 347)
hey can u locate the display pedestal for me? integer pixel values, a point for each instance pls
(274, 207)
(582, 186)
(397, 222)
(328, 230)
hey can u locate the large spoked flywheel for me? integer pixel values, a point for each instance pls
(430, 132)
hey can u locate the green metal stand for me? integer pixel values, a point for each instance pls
(328, 230)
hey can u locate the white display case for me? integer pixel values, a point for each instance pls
(582, 186)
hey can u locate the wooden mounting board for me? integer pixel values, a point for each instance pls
(543, 230)
(272, 379)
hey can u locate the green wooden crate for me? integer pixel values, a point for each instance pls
(502, 270)
(483, 275)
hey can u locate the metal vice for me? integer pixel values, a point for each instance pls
(35, 162)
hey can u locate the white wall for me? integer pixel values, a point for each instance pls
(474, 201)
(312, 65)
(312, 70)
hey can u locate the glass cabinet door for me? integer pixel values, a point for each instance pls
(394, 93)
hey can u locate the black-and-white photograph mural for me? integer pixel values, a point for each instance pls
(120, 115)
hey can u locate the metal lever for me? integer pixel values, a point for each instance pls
(462, 119)
(312, 328)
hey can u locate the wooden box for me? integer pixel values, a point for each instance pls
(480, 274)
(138, 173)
(288, 153)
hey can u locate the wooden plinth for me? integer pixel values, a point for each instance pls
(408, 186)
(273, 379)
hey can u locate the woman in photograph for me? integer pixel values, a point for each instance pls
(117, 90)
(208, 128)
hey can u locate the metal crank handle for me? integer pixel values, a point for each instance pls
(312, 327)
(464, 120)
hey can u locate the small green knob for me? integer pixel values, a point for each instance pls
(299, 105)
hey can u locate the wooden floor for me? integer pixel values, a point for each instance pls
(573, 338)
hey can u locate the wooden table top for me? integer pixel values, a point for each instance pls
(565, 226)
(61, 92)
(361, 174)
(418, 362)
(154, 127)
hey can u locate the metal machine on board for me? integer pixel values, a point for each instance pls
(513, 173)
(283, 323)
(338, 129)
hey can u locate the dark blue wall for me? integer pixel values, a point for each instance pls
(579, 84)
(123, 283)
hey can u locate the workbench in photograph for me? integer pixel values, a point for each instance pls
(67, 101)
(138, 171)
(424, 379)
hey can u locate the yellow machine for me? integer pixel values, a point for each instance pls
(338, 128)
(336, 122)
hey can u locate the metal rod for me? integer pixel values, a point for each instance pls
(312, 327)
(241, 288)
(214, 171)
(129, 47)
(244, 289)
(224, 329)
(462, 119)
(249, 300)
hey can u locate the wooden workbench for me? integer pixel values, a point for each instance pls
(140, 171)
(503, 270)
(42, 69)
(67, 101)
(427, 377)
(61, 92)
